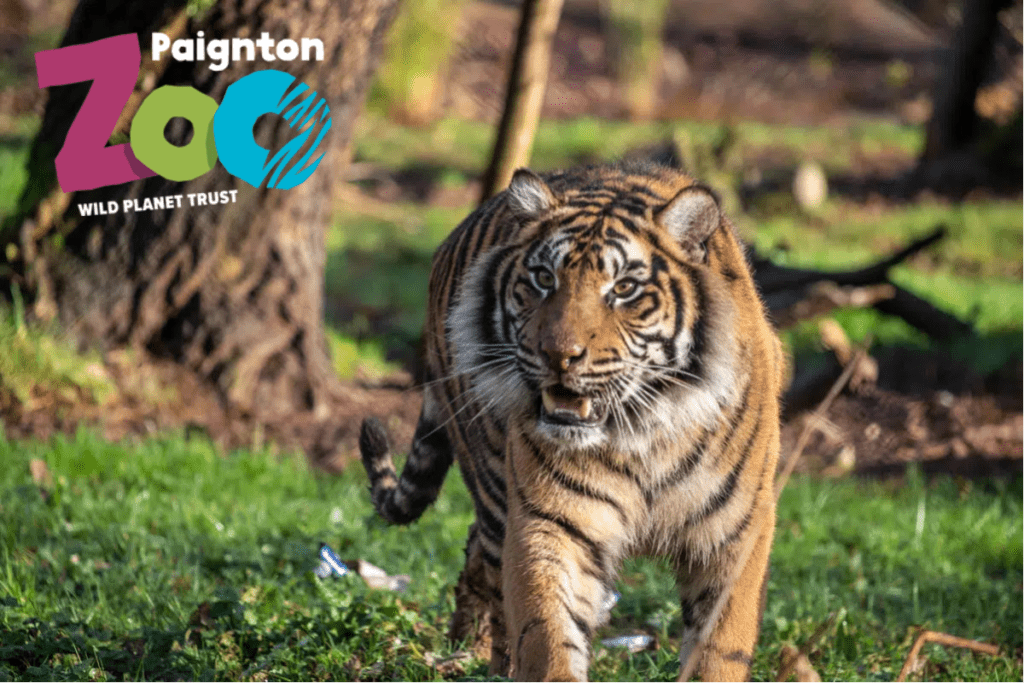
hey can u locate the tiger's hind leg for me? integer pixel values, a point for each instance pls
(728, 649)
(479, 617)
(471, 621)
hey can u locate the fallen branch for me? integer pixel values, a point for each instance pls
(824, 297)
(941, 639)
(918, 313)
(794, 294)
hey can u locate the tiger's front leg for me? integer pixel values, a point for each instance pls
(553, 593)
(729, 624)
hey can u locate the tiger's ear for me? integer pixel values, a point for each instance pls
(691, 217)
(529, 195)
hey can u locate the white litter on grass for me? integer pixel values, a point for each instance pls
(636, 643)
(375, 577)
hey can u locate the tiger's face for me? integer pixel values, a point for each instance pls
(594, 328)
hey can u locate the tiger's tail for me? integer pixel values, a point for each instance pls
(401, 500)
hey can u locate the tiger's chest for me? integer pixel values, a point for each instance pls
(691, 488)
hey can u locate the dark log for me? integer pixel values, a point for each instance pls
(793, 294)
(772, 279)
(918, 313)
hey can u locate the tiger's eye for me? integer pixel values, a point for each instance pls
(544, 278)
(624, 287)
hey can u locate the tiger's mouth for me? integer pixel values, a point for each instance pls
(562, 406)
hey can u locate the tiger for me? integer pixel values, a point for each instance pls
(600, 363)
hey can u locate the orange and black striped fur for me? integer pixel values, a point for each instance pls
(600, 364)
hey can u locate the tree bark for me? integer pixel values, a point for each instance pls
(954, 122)
(232, 291)
(524, 94)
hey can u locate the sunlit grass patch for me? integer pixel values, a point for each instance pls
(39, 361)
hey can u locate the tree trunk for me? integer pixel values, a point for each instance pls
(953, 123)
(232, 291)
(524, 94)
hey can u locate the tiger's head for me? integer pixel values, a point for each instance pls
(600, 323)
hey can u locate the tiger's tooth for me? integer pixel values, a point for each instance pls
(549, 402)
(584, 409)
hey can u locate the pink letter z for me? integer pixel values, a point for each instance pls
(112, 64)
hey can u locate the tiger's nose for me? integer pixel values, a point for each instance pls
(562, 357)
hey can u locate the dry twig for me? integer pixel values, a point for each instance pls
(787, 665)
(941, 639)
(826, 403)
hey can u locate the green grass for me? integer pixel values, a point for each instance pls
(36, 360)
(466, 145)
(14, 147)
(352, 358)
(164, 559)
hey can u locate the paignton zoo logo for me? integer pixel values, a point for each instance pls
(85, 161)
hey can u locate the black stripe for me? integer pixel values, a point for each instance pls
(458, 246)
(681, 472)
(614, 244)
(487, 306)
(574, 532)
(489, 525)
(484, 225)
(502, 299)
(722, 496)
(699, 332)
(655, 305)
(611, 233)
(493, 483)
(631, 205)
(629, 224)
(622, 470)
(490, 558)
(568, 527)
(637, 188)
(689, 607)
(677, 324)
(735, 534)
(685, 468)
(600, 375)
(491, 528)
(581, 624)
(571, 484)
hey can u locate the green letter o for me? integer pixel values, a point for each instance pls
(147, 134)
